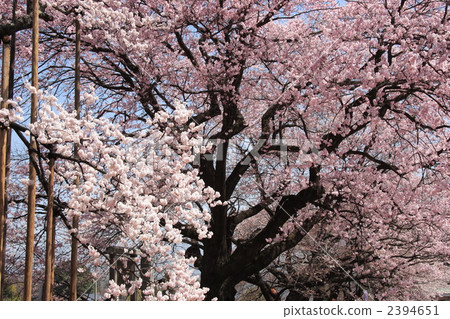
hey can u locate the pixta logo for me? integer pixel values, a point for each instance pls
(287, 151)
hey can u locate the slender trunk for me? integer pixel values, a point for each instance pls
(4, 132)
(50, 240)
(74, 251)
(32, 172)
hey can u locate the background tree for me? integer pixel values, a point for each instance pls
(62, 283)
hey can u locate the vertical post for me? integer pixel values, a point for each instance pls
(4, 131)
(117, 269)
(132, 277)
(33, 146)
(8, 146)
(145, 267)
(75, 221)
(113, 273)
(50, 240)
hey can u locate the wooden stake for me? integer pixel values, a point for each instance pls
(50, 240)
(4, 132)
(75, 221)
(8, 147)
(32, 172)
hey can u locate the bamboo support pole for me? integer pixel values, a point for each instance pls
(33, 146)
(8, 147)
(4, 132)
(75, 221)
(50, 239)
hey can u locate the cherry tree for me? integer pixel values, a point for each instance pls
(327, 126)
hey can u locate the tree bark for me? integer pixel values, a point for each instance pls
(223, 269)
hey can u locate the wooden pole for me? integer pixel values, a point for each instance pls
(4, 132)
(8, 147)
(50, 239)
(32, 172)
(75, 221)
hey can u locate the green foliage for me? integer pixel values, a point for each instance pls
(11, 293)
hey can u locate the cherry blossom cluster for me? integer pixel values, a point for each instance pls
(132, 191)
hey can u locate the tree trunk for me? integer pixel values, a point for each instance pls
(222, 270)
(215, 257)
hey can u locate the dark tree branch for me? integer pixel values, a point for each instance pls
(21, 23)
